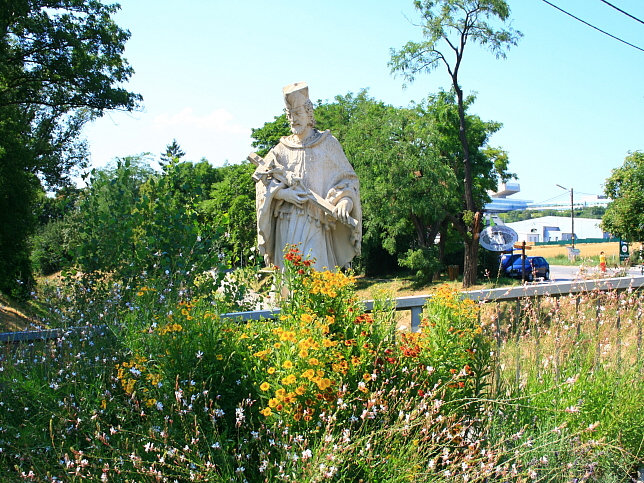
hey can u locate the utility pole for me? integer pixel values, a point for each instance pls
(572, 213)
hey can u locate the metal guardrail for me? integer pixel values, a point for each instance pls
(413, 303)
(48, 334)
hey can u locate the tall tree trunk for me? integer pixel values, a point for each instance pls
(470, 261)
(472, 252)
(421, 230)
(443, 239)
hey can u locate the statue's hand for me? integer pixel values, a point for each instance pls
(343, 209)
(291, 195)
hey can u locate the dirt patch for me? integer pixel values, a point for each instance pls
(12, 320)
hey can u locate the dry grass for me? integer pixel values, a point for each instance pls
(586, 250)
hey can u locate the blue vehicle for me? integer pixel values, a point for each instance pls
(535, 267)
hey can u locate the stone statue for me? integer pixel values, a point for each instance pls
(307, 193)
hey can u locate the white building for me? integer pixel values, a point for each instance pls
(556, 228)
(499, 201)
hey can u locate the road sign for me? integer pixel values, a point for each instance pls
(624, 253)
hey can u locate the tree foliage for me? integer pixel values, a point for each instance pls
(232, 201)
(131, 219)
(624, 217)
(61, 65)
(448, 26)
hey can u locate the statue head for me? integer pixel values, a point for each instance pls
(299, 108)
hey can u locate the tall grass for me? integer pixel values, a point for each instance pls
(172, 392)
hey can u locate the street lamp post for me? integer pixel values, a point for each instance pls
(572, 213)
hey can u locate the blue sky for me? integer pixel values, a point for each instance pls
(571, 99)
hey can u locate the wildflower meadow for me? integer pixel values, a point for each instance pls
(157, 386)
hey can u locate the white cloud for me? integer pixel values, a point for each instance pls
(217, 121)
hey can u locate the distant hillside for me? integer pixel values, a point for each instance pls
(520, 215)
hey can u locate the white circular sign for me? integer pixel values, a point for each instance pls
(498, 238)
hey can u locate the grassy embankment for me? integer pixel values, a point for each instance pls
(550, 391)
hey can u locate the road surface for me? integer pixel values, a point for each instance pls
(560, 273)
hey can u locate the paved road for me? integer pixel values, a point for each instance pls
(568, 273)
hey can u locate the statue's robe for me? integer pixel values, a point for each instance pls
(321, 166)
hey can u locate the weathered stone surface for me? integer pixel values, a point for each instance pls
(307, 193)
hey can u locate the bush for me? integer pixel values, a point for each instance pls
(423, 261)
(51, 248)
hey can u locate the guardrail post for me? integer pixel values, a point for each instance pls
(415, 318)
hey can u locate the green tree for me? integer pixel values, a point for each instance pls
(406, 189)
(173, 152)
(232, 202)
(61, 65)
(109, 217)
(624, 216)
(131, 219)
(268, 136)
(448, 26)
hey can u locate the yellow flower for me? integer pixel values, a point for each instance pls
(290, 379)
(313, 361)
(306, 318)
(272, 402)
(300, 390)
(139, 294)
(219, 357)
(266, 412)
(277, 345)
(265, 386)
(287, 365)
(271, 370)
(280, 393)
(328, 343)
(304, 353)
(366, 376)
(324, 383)
(308, 374)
